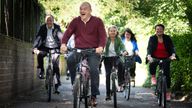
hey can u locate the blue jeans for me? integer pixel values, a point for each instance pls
(93, 62)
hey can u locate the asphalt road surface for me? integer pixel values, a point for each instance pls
(140, 98)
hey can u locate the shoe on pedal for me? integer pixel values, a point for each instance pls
(168, 96)
(57, 92)
(93, 102)
(108, 98)
(40, 74)
(120, 88)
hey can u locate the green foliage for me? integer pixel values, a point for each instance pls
(182, 69)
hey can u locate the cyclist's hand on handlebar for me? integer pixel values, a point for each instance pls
(36, 51)
(125, 53)
(63, 48)
(99, 50)
(150, 59)
(172, 57)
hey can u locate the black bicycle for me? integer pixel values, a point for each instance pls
(114, 85)
(114, 80)
(129, 61)
(161, 87)
(50, 80)
(82, 83)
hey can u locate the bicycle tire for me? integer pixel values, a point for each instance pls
(133, 83)
(159, 91)
(85, 93)
(127, 89)
(114, 89)
(77, 92)
(164, 91)
(49, 83)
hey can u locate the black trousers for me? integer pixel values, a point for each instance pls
(108, 62)
(55, 62)
(93, 62)
(166, 65)
(132, 70)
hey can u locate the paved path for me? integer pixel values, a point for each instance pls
(140, 98)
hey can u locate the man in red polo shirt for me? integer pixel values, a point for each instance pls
(89, 32)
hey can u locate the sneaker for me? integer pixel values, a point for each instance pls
(56, 89)
(57, 92)
(40, 73)
(120, 88)
(108, 98)
(168, 96)
(93, 101)
(153, 80)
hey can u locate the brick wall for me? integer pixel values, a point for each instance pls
(17, 68)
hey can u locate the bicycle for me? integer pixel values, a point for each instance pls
(161, 86)
(50, 80)
(67, 70)
(127, 83)
(50, 77)
(114, 80)
(82, 87)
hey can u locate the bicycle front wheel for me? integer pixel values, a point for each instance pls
(48, 83)
(86, 96)
(127, 88)
(158, 91)
(164, 91)
(77, 92)
(114, 89)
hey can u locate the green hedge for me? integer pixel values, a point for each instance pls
(182, 69)
(181, 77)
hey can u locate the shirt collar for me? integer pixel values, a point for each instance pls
(87, 20)
(51, 27)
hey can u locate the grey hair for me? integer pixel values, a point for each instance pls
(115, 27)
(49, 16)
(86, 3)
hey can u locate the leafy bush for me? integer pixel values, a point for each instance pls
(182, 69)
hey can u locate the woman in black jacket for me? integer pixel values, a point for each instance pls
(160, 46)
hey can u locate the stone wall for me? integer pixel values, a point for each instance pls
(17, 68)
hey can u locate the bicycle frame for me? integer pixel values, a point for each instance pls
(161, 87)
(114, 80)
(82, 88)
(50, 80)
(127, 84)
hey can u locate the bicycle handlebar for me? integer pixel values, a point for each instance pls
(88, 50)
(161, 60)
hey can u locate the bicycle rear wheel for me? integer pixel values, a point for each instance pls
(164, 91)
(127, 89)
(77, 92)
(48, 83)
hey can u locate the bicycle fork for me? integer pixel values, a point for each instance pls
(114, 77)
